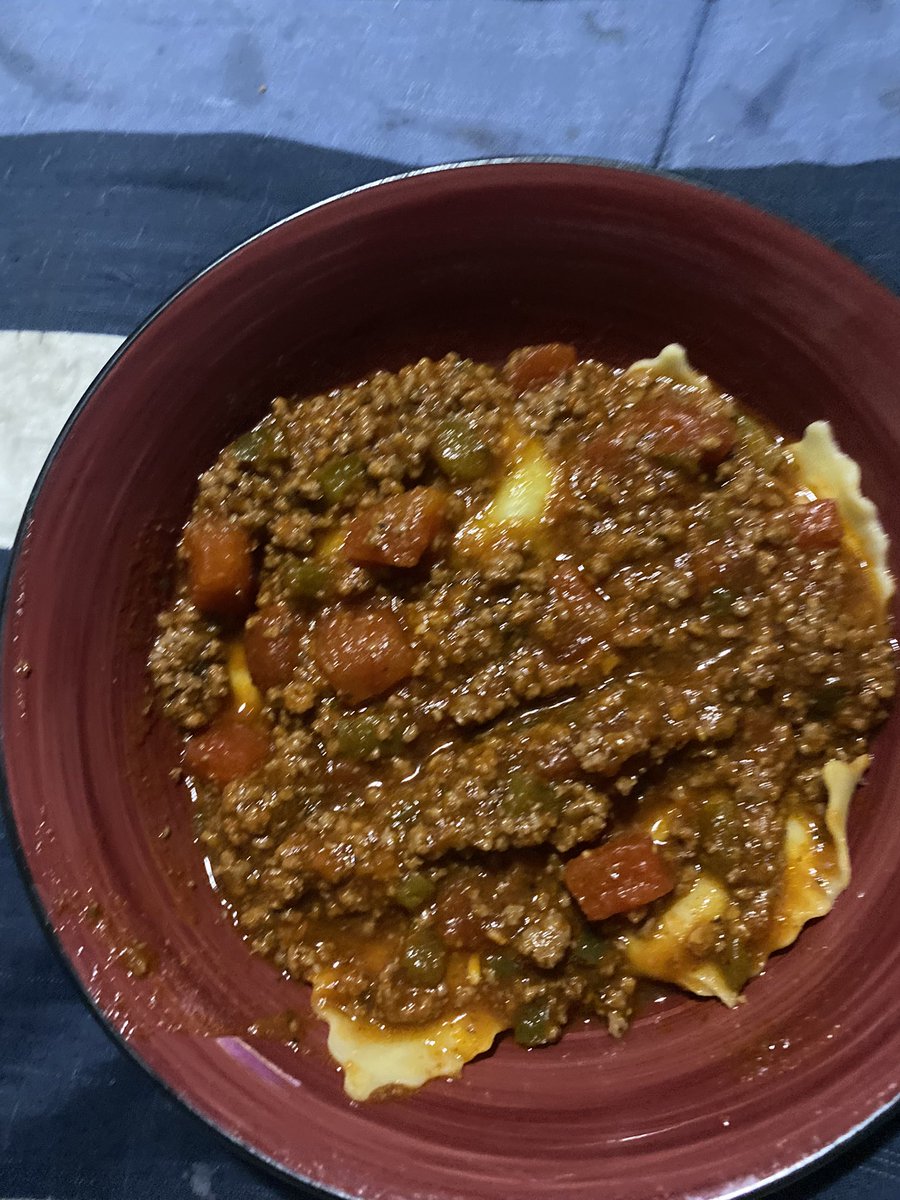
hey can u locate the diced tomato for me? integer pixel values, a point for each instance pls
(272, 643)
(604, 453)
(534, 365)
(398, 532)
(720, 564)
(679, 432)
(232, 747)
(624, 874)
(362, 651)
(816, 526)
(220, 566)
(580, 613)
(556, 760)
(456, 915)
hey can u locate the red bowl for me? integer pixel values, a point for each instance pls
(696, 1101)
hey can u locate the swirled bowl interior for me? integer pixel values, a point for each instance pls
(696, 1100)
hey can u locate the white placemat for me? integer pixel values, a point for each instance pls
(42, 376)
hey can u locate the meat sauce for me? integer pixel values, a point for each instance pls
(499, 620)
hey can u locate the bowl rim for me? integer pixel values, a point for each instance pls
(243, 1148)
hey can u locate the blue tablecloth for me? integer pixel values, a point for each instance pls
(95, 229)
(716, 83)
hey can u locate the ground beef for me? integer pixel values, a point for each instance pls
(404, 724)
(188, 667)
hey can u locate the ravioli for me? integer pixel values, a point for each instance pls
(671, 363)
(816, 859)
(245, 694)
(566, 555)
(664, 952)
(374, 1059)
(816, 871)
(831, 474)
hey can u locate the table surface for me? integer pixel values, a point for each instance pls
(725, 83)
(85, 87)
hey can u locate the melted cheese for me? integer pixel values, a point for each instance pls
(244, 692)
(331, 543)
(373, 1058)
(670, 363)
(520, 502)
(665, 951)
(830, 474)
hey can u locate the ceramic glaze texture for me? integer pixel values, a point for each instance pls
(696, 1101)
